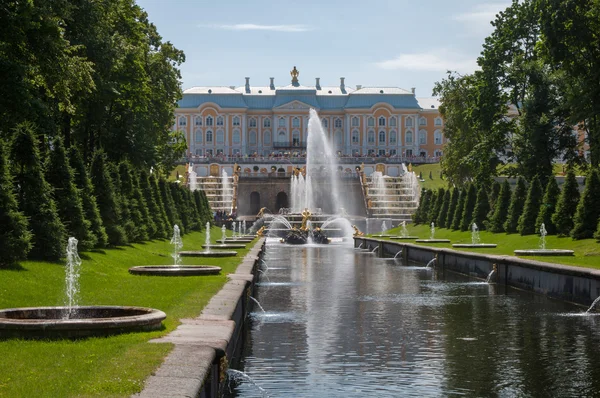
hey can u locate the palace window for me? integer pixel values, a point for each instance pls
(325, 123)
(382, 152)
(392, 137)
(209, 153)
(266, 122)
(438, 121)
(437, 153)
(220, 121)
(409, 152)
(381, 121)
(437, 137)
(393, 121)
(182, 121)
(209, 121)
(381, 137)
(295, 138)
(371, 138)
(422, 121)
(371, 122)
(281, 122)
(339, 140)
(252, 122)
(337, 123)
(220, 137)
(267, 138)
(409, 122)
(409, 137)
(355, 137)
(393, 152)
(422, 137)
(198, 152)
(198, 135)
(371, 152)
(355, 121)
(209, 136)
(296, 122)
(252, 137)
(281, 137)
(236, 137)
(198, 120)
(236, 121)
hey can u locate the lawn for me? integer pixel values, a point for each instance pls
(587, 251)
(435, 181)
(113, 366)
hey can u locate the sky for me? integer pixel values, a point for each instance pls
(381, 43)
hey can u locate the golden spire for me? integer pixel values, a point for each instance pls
(294, 74)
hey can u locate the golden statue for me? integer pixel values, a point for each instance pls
(305, 217)
(409, 168)
(357, 231)
(260, 231)
(261, 212)
(294, 73)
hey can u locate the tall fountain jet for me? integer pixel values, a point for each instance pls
(192, 178)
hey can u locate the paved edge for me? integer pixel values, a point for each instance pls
(202, 341)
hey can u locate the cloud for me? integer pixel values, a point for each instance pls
(478, 20)
(433, 61)
(249, 26)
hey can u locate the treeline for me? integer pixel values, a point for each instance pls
(534, 99)
(498, 208)
(43, 202)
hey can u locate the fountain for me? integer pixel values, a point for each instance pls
(192, 178)
(237, 375)
(72, 320)
(542, 251)
(223, 234)
(176, 269)
(227, 192)
(475, 240)
(432, 239)
(383, 229)
(589, 310)
(397, 254)
(404, 233)
(305, 234)
(432, 262)
(492, 273)
(208, 246)
(257, 303)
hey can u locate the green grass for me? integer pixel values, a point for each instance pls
(109, 366)
(181, 169)
(430, 183)
(587, 251)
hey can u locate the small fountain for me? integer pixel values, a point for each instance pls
(376, 247)
(257, 303)
(432, 262)
(208, 246)
(237, 375)
(72, 320)
(383, 229)
(397, 254)
(589, 310)
(404, 233)
(432, 238)
(176, 269)
(542, 251)
(491, 274)
(192, 178)
(475, 240)
(223, 234)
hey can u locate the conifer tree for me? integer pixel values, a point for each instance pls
(431, 202)
(567, 205)
(588, 208)
(526, 225)
(418, 215)
(493, 196)
(457, 217)
(88, 200)
(104, 191)
(482, 209)
(141, 199)
(67, 197)
(160, 229)
(443, 213)
(194, 212)
(180, 207)
(139, 232)
(548, 207)
(436, 206)
(170, 208)
(34, 196)
(201, 208)
(467, 215)
(208, 213)
(496, 222)
(123, 208)
(15, 238)
(452, 208)
(515, 209)
(162, 213)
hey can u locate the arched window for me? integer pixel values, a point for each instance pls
(381, 121)
(371, 137)
(281, 122)
(182, 121)
(355, 121)
(371, 122)
(295, 122)
(325, 123)
(252, 137)
(409, 122)
(266, 122)
(337, 123)
(236, 137)
(209, 136)
(339, 140)
(355, 137)
(236, 121)
(220, 121)
(438, 121)
(282, 137)
(393, 121)
(198, 152)
(295, 138)
(198, 135)
(267, 138)
(438, 153)
(422, 137)
(409, 137)
(198, 120)
(252, 122)
(422, 121)
(392, 137)
(437, 137)
(220, 137)
(382, 137)
(209, 121)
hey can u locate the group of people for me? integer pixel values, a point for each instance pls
(222, 215)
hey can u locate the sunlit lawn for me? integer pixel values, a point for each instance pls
(110, 366)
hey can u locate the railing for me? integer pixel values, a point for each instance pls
(298, 160)
(290, 145)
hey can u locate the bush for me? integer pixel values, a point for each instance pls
(138, 195)
(436, 206)
(169, 204)
(496, 222)
(35, 196)
(161, 211)
(493, 196)
(15, 238)
(469, 207)
(517, 201)
(482, 209)
(566, 205)
(456, 218)
(418, 217)
(526, 225)
(548, 207)
(588, 208)
(452, 207)
(139, 230)
(443, 213)
(161, 227)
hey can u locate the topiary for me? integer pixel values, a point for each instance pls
(457, 217)
(548, 207)
(161, 211)
(517, 201)
(443, 213)
(436, 207)
(566, 205)
(418, 214)
(493, 195)
(138, 195)
(526, 225)
(469, 206)
(482, 209)
(161, 228)
(169, 205)
(588, 208)
(452, 207)
(496, 221)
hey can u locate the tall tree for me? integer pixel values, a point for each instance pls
(588, 208)
(548, 207)
(443, 213)
(498, 218)
(458, 212)
(452, 208)
(139, 230)
(482, 209)
(467, 215)
(567, 205)
(169, 204)
(515, 209)
(161, 215)
(161, 229)
(531, 209)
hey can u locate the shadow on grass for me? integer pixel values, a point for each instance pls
(13, 267)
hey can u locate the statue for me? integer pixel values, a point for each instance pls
(261, 230)
(357, 231)
(305, 217)
(294, 73)
(261, 212)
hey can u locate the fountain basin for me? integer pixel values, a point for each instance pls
(241, 240)
(382, 236)
(544, 252)
(475, 245)
(219, 253)
(224, 246)
(48, 322)
(405, 237)
(182, 270)
(433, 240)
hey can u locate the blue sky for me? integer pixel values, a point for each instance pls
(372, 43)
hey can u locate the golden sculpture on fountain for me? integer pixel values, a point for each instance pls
(305, 217)
(357, 231)
(261, 212)
(260, 231)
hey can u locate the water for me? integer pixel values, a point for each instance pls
(383, 227)
(432, 229)
(475, 239)
(223, 234)
(376, 247)
(341, 324)
(589, 310)
(404, 231)
(234, 226)
(192, 178)
(397, 254)
(72, 279)
(236, 375)
(177, 246)
(227, 192)
(490, 275)
(543, 234)
(207, 238)
(431, 262)
(257, 303)
(244, 228)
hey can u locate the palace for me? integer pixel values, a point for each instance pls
(258, 121)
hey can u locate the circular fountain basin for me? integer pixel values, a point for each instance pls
(48, 322)
(241, 240)
(405, 237)
(216, 253)
(544, 252)
(182, 270)
(224, 246)
(433, 240)
(475, 245)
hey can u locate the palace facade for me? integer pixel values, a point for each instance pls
(256, 121)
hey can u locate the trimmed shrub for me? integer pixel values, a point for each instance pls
(169, 205)
(443, 213)
(162, 213)
(418, 215)
(515, 209)
(496, 222)
(566, 205)
(588, 208)
(452, 207)
(66, 195)
(527, 219)
(138, 195)
(456, 218)
(180, 205)
(482, 209)
(15, 238)
(493, 196)
(548, 207)
(138, 230)
(436, 206)
(88, 200)
(161, 228)
(469, 206)
(208, 213)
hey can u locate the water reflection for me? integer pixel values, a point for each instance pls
(338, 323)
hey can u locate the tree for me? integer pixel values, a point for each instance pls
(482, 209)
(418, 216)
(526, 225)
(204, 207)
(139, 229)
(588, 208)
(494, 193)
(452, 207)
(88, 200)
(68, 200)
(567, 205)
(107, 204)
(161, 215)
(548, 207)
(517, 201)
(469, 206)
(457, 217)
(498, 218)
(180, 205)
(443, 213)
(15, 238)
(161, 228)
(435, 205)
(34, 196)
(169, 204)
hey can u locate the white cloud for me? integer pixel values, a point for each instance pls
(432, 61)
(249, 26)
(478, 20)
